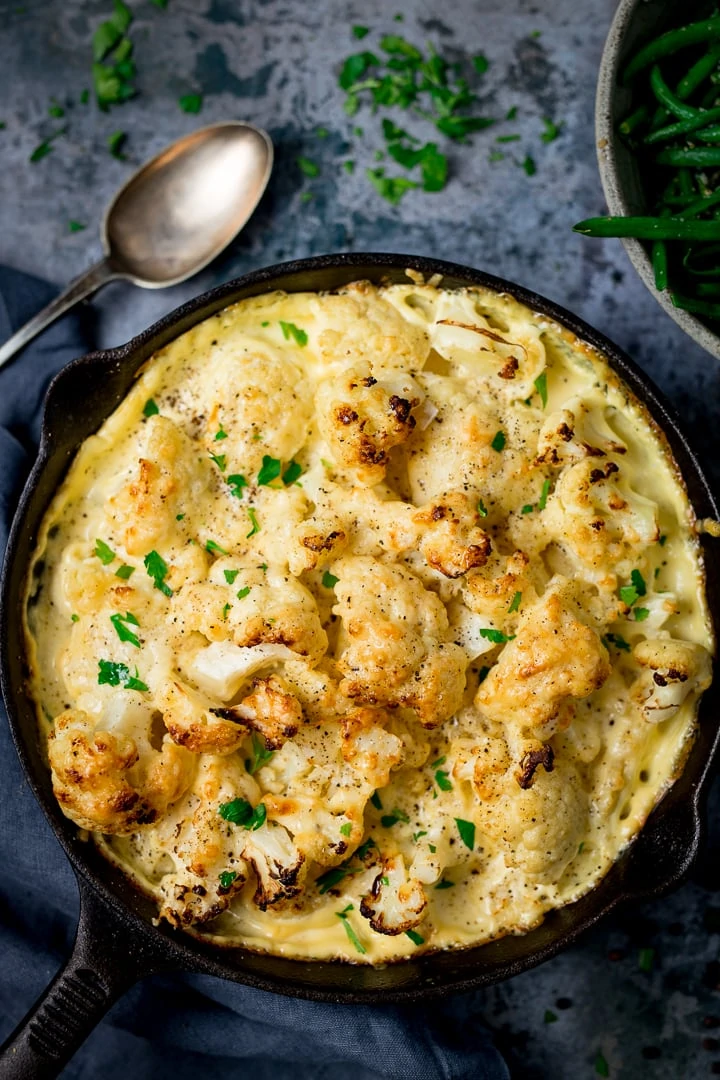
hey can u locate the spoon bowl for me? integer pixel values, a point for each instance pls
(180, 210)
(173, 217)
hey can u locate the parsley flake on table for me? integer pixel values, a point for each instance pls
(104, 553)
(191, 103)
(308, 167)
(115, 142)
(551, 130)
(529, 165)
(391, 188)
(290, 330)
(480, 63)
(601, 1066)
(123, 630)
(360, 32)
(158, 570)
(76, 226)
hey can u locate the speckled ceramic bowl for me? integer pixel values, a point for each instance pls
(635, 22)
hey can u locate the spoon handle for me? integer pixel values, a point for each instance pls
(77, 290)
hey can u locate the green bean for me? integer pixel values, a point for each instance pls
(683, 127)
(708, 288)
(634, 120)
(700, 157)
(665, 96)
(698, 73)
(686, 184)
(710, 134)
(699, 206)
(672, 42)
(660, 264)
(712, 251)
(697, 307)
(649, 228)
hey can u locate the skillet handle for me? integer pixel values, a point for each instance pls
(107, 959)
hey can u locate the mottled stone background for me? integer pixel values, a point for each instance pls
(276, 63)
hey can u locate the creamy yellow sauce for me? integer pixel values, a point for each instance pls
(410, 570)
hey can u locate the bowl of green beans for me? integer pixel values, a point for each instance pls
(658, 137)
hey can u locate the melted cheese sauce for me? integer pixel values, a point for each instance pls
(410, 570)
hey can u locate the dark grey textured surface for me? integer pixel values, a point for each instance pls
(276, 63)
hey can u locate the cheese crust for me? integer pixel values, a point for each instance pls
(369, 623)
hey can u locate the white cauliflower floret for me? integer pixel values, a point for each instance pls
(396, 902)
(361, 418)
(672, 671)
(394, 648)
(106, 775)
(572, 434)
(553, 659)
(169, 479)
(362, 328)
(322, 779)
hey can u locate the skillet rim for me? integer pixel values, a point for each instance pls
(659, 857)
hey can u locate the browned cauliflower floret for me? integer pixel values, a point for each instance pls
(673, 670)
(197, 723)
(271, 710)
(110, 782)
(394, 648)
(322, 779)
(539, 826)
(315, 542)
(452, 540)
(361, 418)
(365, 328)
(553, 659)
(571, 434)
(168, 479)
(490, 591)
(396, 902)
(210, 836)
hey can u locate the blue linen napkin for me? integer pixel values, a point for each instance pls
(185, 1027)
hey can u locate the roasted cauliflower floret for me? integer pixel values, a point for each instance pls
(315, 542)
(361, 418)
(396, 902)
(453, 541)
(271, 710)
(673, 670)
(107, 781)
(553, 659)
(491, 590)
(197, 723)
(358, 330)
(539, 826)
(168, 479)
(571, 434)
(394, 648)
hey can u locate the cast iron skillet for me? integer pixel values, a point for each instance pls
(116, 943)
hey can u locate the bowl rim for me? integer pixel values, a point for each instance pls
(659, 857)
(607, 142)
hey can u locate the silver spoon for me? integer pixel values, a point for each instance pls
(172, 217)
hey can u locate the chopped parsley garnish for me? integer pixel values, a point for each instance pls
(483, 674)
(480, 63)
(290, 330)
(629, 594)
(240, 812)
(123, 631)
(391, 188)
(352, 936)
(515, 603)
(45, 147)
(581, 847)
(375, 800)
(212, 547)
(236, 483)
(104, 553)
(442, 779)
(74, 618)
(529, 165)
(292, 473)
(333, 877)
(551, 131)
(511, 113)
(481, 508)
(150, 407)
(498, 442)
(416, 938)
(440, 761)
(364, 848)
(242, 593)
(540, 385)
(260, 755)
(220, 460)
(179, 517)
(119, 675)
(76, 226)
(641, 613)
(346, 829)
(601, 1066)
(226, 878)
(542, 501)
(158, 569)
(646, 959)
(55, 110)
(115, 142)
(618, 641)
(388, 820)
(230, 575)
(253, 521)
(418, 835)
(191, 103)
(124, 572)
(271, 468)
(527, 508)
(445, 884)
(308, 167)
(662, 541)
(349, 166)
(329, 580)
(360, 32)
(467, 832)
(507, 138)
(225, 610)
(550, 1017)
(496, 636)
(639, 582)
(322, 132)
